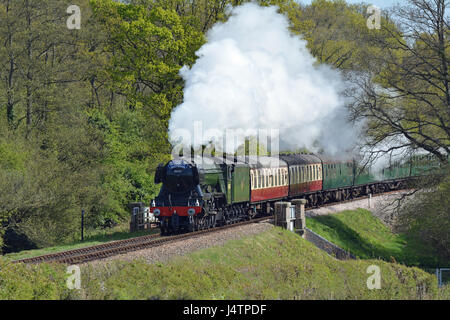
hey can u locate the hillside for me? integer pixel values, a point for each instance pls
(273, 265)
(364, 235)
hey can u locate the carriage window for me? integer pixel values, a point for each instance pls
(266, 179)
(293, 174)
(259, 179)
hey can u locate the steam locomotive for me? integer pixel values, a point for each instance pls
(205, 192)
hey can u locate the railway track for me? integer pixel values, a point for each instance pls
(105, 250)
(354, 199)
(123, 246)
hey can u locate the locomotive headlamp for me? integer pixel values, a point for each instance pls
(156, 212)
(191, 211)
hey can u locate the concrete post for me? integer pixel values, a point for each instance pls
(290, 218)
(282, 212)
(300, 222)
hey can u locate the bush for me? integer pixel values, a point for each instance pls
(426, 217)
(33, 282)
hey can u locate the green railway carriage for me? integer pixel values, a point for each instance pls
(397, 170)
(363, 175)
(422, 164)
(336, 174)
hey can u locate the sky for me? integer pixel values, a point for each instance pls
(378, 3)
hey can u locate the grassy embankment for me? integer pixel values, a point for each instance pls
(273, 265)
(364, 235)
(91, 238)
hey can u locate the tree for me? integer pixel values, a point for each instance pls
(407, 104)
(426, 217)
(149, 45)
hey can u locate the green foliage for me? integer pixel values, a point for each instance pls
(274, 265)
(426, 218)
(92, 237)
(39, 282)
(154, 44)
(76, 136)
(367, 237)
(337, 34)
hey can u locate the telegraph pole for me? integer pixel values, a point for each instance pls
(82, 225)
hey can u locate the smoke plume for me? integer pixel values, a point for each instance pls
(253, 73)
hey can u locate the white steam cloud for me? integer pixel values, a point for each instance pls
(254, 74)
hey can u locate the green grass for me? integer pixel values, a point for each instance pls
(92, 238)
(365, 236)
(276, 264)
